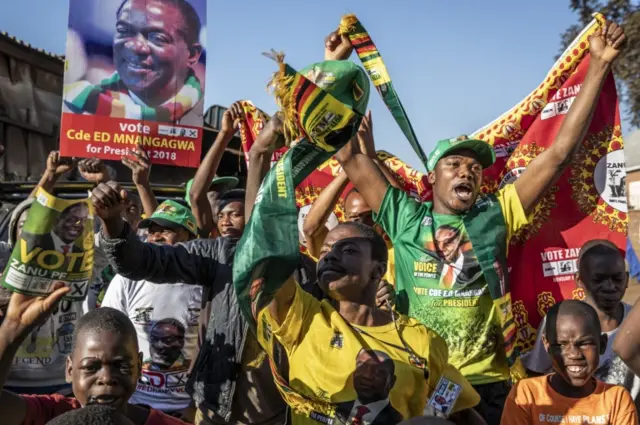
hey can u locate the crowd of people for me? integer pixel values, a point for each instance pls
(355, 336)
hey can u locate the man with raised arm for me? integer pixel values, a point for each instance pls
(451, 253)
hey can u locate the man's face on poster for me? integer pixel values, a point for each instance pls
(167, 342)
(151, 49)
(448, 242)
(71, 223)
(374, 376)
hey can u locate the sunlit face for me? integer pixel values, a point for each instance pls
(104, 368)
(71, 223)
(456, 181)
(357, 210)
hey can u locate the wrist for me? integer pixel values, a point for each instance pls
(225, 135)
(112, 227)
(599, 66)
(11, 334)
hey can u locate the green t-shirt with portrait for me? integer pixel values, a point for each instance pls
(439, 280)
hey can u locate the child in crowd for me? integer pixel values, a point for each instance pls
(91, 415)
(602, 276)
(104, 365)
(570, 394)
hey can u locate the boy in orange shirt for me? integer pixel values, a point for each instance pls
(571, 394)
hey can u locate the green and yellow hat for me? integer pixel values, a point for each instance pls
(172, 215)
(485, 153)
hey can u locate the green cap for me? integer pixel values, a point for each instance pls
(484, 151)
(218, 184)
(344, 80)
(172, 215)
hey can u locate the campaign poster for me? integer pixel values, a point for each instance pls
(135, 75)
(55, 244)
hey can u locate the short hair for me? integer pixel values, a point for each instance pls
(70, 208)
(170, 321)
(105, 319)
(384, 358)
(379, 250)
(233, 195)
(571, 308)
(594, 248)
(193, 26)
(91, 415)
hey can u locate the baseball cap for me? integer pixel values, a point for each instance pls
(172, 215)
(219, 184)
(484, 151)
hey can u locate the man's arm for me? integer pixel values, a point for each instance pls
(314, 227)
(194, 262)
(140, 166)
(56, 167)
(23, 314)
(198, 193)
(545, 170)
(269, 139)
(627, 343)
(361, 167)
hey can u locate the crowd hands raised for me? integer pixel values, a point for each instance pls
(161, 339)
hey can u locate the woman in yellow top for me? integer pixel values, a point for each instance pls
(346, 361)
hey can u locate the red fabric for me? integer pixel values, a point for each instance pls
(43, 408)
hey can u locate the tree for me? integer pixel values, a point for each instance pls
(627, 67)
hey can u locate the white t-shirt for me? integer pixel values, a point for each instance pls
(611, 368)
(166, 319)
(40, 360)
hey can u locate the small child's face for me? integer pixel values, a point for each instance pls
(575, 352)
(605, 280)
(104, 368)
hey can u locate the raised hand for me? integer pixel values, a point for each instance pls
(231, 117)
(365, 136)
(58, 165)
(25, 313)
(607, 43)
(140, 164)
(271, 137)
(337, 47)
(93, 170)
(109, 200)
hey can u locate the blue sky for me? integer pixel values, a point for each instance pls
(456, 65)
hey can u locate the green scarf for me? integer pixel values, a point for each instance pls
(372, 61)
(325, 112)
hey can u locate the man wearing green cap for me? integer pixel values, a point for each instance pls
(165, 316)
(451, 270)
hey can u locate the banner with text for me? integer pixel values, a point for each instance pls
(55, 244)
(134, 76)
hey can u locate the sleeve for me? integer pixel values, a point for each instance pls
(537, 360)
(512, 210)
(440, 372)
(515, 412)
(397, 212)
(297, 323)
(100, 260)
(192, 263)
(625, 411)
(116, 295)
(42, 408)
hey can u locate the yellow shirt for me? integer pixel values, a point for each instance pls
(335, 376)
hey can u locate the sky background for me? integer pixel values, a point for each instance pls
(456, 65)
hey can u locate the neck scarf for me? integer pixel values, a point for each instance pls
(111, 98)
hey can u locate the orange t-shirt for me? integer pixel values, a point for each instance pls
(533, 401)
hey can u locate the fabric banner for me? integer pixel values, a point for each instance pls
(118, 95)
(414, 182)
(268, 253)
(56, 244)
(588, 201)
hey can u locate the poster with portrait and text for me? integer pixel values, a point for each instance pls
(135, 76)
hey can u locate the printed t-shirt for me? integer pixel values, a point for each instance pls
(439, 280)
(166, 319)
(611, 369)
(533, 401)
(327, 363)
(43, 408)
(41, 358)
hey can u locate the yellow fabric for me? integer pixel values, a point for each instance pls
(390, 275)
(322, 350)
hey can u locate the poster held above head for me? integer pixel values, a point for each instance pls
(134, 76)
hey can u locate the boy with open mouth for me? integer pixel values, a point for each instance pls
(574, 341)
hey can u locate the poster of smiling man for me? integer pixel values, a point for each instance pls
(134, 75)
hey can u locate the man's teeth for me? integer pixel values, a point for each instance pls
(575, 369)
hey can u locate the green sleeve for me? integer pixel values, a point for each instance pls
(398, 212)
